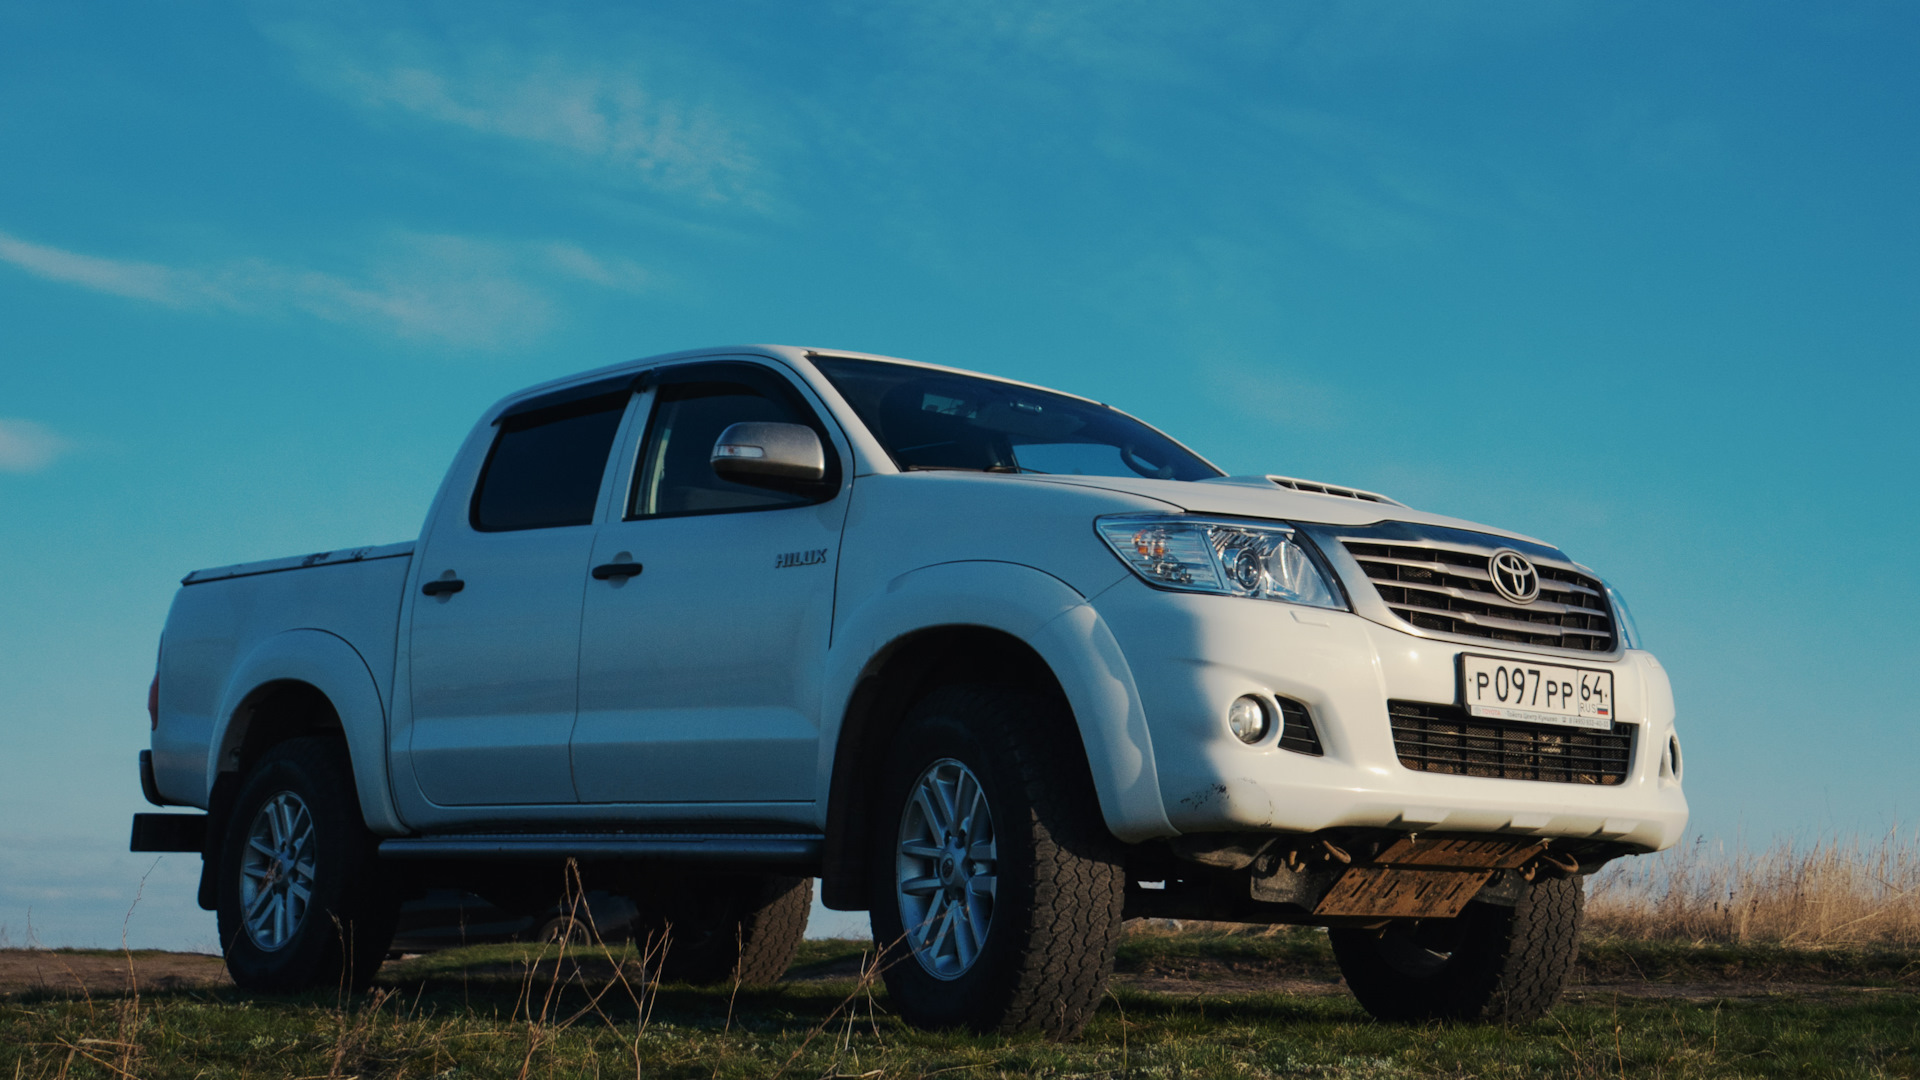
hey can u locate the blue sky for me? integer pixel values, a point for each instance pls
(1639, 279)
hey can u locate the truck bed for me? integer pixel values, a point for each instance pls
(228, 616)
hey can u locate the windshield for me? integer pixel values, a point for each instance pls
(940, 420)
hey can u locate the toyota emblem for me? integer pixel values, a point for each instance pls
(1514, 577)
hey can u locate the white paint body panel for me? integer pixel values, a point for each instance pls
(700, 678)
(713, 686)
(494, 669)
(333, 625)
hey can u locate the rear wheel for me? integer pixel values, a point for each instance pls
(565, 930)
(302, 900)
(723, 928)
(997, 888)
(1493, 964)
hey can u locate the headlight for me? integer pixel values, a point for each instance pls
(1228, 557)
(1628, 630)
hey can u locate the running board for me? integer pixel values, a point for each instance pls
(676, 846)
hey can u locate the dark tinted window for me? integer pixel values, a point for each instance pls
(676, 467)
(545, 467)
(938, 420)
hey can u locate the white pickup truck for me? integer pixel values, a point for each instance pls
(1000, 665)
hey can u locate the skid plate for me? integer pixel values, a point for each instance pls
(1402, 892)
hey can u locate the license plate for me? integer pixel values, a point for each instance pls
(1536, 693)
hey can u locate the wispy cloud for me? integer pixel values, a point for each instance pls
(598, 110)
(1141, 40)
(1146, 41)
(618, 274)
(29, 447)
(459, 290)
(120, 277)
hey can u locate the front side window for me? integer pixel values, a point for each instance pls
(930, 419)
(676, 474)
(545, 467)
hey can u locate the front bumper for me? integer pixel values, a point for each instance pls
(1192, 655)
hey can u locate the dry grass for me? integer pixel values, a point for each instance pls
(1830, 892)
(553, 1020)
(588, 1008)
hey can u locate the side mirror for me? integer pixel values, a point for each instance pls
(770, 455)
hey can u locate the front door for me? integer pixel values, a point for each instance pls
(700, 674)
(495, 661)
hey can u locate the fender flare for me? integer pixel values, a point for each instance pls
(331, 665)
(1059, 624)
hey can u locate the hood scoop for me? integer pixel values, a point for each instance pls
(1311, 487)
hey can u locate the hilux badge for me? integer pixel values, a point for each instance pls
(800, 558)
(1514, 577)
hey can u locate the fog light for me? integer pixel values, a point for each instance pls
(1249, 720)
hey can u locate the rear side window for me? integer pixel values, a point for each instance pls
(545, 467)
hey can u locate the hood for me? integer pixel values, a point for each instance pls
(1266, 497)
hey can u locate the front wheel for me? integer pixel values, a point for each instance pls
(302, 901)
(1491, 964)
(997, 889)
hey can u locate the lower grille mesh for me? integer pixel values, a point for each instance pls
(1445, 739)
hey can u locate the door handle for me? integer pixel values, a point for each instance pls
(621, 570)
(443, 585)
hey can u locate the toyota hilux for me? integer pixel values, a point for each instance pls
(999, 665)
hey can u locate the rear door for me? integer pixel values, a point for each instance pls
(495, 659)
(700, 674)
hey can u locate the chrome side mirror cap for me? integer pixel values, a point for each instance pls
(770, 455)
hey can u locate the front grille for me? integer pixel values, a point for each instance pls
(1450, 589)
(1444, 739)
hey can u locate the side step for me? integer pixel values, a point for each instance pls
(674, 846)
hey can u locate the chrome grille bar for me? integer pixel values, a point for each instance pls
(1448, 588)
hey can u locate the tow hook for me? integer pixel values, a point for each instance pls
(1567, 865)
(1295, 861)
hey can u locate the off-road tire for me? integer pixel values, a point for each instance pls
(725, 928)
(1506, 965)
(565, 930)
(350, 918)
(1049, 946)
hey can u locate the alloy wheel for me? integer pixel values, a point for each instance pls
(276, 871)
(945, 875)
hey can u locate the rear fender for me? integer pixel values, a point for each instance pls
(330, 665)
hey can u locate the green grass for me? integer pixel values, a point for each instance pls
(477, 1013)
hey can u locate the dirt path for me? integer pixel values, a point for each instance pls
(48, 971)
(51, 971)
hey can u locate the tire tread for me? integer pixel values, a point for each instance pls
(1510, 968)
(1065, 955)
(358, 928)
(725, 928)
